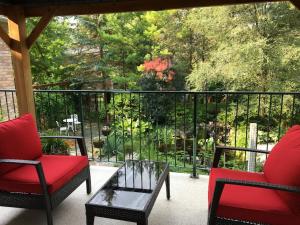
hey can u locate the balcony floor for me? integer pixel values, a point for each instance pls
(188, 204)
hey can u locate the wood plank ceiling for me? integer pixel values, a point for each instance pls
(35, 8)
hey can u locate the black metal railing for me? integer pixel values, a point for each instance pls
(180, 128)
(8, 105)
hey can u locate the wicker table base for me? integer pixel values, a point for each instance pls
(130, 193)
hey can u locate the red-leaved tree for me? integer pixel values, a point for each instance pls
(161, 67)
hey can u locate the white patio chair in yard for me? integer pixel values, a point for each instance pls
(74, 122)
(61, 129)
(74, 116)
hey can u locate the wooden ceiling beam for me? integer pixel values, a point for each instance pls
(131, 5)
(38, 29)
(4, 10)
(296, 3)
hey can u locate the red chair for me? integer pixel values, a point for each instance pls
(271, 197)
(29, 179)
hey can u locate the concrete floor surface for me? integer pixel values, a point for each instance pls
(188, 204)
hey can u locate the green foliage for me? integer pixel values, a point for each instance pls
(54, 146)
(111, 46)
(157, 107)
(49, 108)
(50, 52)
(113, 144)
(242, 47)
(252, 47)
(1, 116)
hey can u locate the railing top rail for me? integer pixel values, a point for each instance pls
(174, 92)
(167, 92)
(7, 90)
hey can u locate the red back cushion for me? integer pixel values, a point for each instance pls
(283, 166)
(19, 139)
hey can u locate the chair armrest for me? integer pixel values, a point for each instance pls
(220, 149)
(241, 149)
(80, 140)
(221, 182)
(63, 137)
(278, 187)
(19, 161)
(38, 167)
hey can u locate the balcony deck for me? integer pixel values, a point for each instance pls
(188, 204)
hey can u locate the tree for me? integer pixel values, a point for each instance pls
(254, 47)
(50, 52)
(111, 46)
(243, 47)
(159, 75)
(173, 36)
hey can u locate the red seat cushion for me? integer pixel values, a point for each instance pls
(283, 166)
(19, 139)
(249, 203)
(58, 171)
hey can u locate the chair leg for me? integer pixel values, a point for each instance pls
(49, 216)
(208, 217)
(88, 185)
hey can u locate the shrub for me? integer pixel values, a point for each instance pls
(55, 146)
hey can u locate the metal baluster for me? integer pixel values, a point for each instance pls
(280, 117)
(66, 112)
(166, 143)
(38, 124)
(184, 129)
(269, 121)
(88, 98)
(13, 102)
(258, 115)
(194, 174)
(56, 105)
(146, 139)
(1, 109)
(123, 130)
(226, 120)
(140, 127)
(247, 120)
(236, 120)
(215, 124)
(206, 121)
(7, 108)
(131, 126)
(157, 140)
(41, 110)
(292, 111)
(50, 110)
(98, 110)
(175, 128)
(115, 130)
(81, 116)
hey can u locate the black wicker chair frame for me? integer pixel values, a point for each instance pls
(213, 219)
(46, 201)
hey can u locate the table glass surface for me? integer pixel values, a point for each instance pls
(131, 186)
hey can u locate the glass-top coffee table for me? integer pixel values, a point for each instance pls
(130, 193)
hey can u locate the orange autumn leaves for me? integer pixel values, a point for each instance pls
(162, 67)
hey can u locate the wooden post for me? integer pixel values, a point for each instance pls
(252, 143)
(21, 61)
